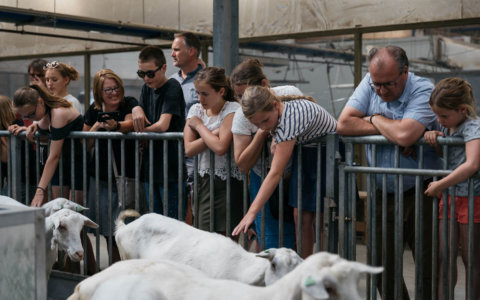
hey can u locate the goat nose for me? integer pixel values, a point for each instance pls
(79, 254)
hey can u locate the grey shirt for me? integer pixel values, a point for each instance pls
(468, 130)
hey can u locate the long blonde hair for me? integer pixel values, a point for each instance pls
(258, 98)
(7, 116)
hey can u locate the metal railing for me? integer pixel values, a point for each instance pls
(348, 216)
(339, 209)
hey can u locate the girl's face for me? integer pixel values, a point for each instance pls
(266, 120)
(207, 96)
(56, 83)
(239, 89)
(111, 93)
(32, 112)
(450, 118)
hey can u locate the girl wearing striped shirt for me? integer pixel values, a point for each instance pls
(291, 120)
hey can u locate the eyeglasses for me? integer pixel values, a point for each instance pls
(149, 73)
(110, 91)
(35, 74)
(387, 85)
(52, 64)
(31, 115)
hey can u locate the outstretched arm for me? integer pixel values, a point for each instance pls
(50, 166)
(279, 163)
(460, 174)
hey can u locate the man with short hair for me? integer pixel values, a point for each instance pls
(161, 109)
(185, 52)
(394, 103)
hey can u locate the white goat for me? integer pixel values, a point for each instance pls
(321, 276)
(155, 236)
(62, 231)
(63, 225)
(127, 287)
(50, 207)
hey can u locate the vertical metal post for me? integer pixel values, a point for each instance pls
(86, 80)
(419, 288)
(228, 205)
(212, 190)
(165, 178)
(358, 58)
(225, 34)
(180, 180)
(16, 158)
(299, 201)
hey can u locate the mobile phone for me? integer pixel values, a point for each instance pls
(108, 115)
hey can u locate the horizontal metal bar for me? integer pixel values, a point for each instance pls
(380, 139)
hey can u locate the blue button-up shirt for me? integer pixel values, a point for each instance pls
(412, 104)
(188, 88)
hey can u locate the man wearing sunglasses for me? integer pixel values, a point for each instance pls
(394, 103)
(161, 109)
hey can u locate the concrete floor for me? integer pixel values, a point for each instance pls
(408, 269)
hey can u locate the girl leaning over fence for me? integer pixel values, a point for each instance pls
(57, 117)
(208, 127)
(453, 103)
(291, 120)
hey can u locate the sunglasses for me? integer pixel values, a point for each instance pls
(149, 73)
(33, 75)
(30, 115)
(52, 64)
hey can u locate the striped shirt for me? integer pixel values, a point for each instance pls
(303, 120)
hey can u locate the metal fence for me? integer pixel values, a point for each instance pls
(348, 216)
(336, 234)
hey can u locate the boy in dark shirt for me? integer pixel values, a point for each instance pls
(161, 109)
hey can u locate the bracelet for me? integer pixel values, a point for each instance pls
(371, 117)
(41, 188)
(118, 126)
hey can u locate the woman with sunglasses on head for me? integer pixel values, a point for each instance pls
(57, 77)
(108, 94)
(56, 116)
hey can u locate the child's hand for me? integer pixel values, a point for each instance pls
(31, 131)
(434, 189)
(194, 122)
(431, 137)
(16, 129)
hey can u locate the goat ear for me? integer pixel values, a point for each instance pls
(363, 268)
(320, 288)
(268, 254)
(89, 223)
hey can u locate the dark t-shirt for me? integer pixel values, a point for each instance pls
(90, 119)
(168, 99)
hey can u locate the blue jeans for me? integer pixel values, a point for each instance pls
(271, 224)
(172, 199)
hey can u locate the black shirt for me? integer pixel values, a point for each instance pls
(168, 99)
(124, 109)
